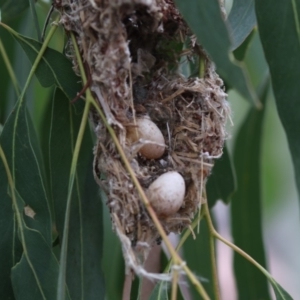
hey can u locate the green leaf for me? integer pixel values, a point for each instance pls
(221, 184)
(35, 19)
(245, 207)
(84, 274)
(160, 291)
(35, 275)
(241, 21)
(280, 293)
(10, 247)
(198, 258)
(281, 43)
(54, 68)
(204, 18)
(7, 91)
(10, 9)
(20, 144)
(114, 270)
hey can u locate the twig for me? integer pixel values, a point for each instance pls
(127, 286)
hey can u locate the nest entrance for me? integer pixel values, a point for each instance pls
(134, 50)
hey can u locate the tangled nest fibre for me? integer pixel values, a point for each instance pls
(134, 51)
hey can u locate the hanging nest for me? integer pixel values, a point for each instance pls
(135, 51)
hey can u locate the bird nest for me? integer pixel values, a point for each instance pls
(134, 52)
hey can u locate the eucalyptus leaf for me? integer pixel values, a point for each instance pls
(10, 9)
(281, 45)
(221, 183)
(35, 19)
(54, 68)
(35, 275)
(280, 293)
(20, 144)
(10, 247)
(198, 256)
(241, 21)
(7, 91)
(240, 52)
(84, 273)
(245, 207)
(204, 18)
(113, 269)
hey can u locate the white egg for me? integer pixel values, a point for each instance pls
(148, 131)
(166, 193)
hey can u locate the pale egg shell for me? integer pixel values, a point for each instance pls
(166, 193)
(147, 130)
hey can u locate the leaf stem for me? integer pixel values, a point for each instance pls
(184, 237)
(216, 235)
(10, 70)
(61, 288)
(242, 253)
(174, 285)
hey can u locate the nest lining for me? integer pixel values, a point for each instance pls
(130, 49)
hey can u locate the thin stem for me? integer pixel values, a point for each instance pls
(242, 253)
(10, 69)
(61, 289)
(185, 236)
(127, 287)
(174, 285)
(236, 248)
(47, 21)
(64, 247)
(212, 252)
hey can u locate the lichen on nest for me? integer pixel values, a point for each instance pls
(133, 51)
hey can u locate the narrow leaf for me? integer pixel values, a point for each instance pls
(198, 258)
(245, 207)
(10, 247)
(280, 293)
(241, 21)
(281, 43)
(10, 9)
(160, 292)
(8, 91)
(221, 184)
(35, 20)
(20, 144)
(35, 275)
(114, 270)
(84, 274)
(204, 18)
(54, 68)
